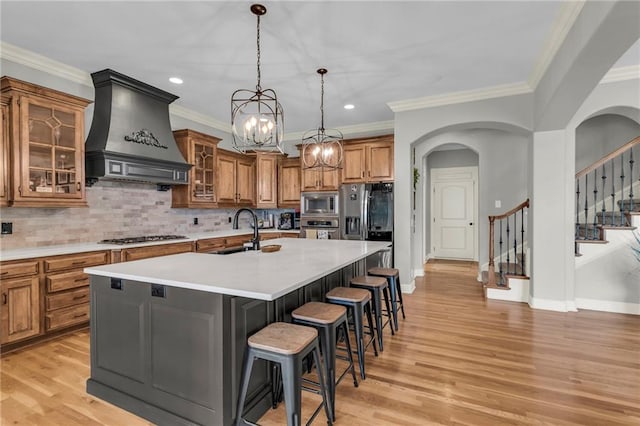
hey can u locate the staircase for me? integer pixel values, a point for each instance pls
(507, 237)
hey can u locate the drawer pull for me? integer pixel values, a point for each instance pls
(78, 263)
(79, 280)
(79, 315)
(79, 297)
(4, 298)
(5, 273)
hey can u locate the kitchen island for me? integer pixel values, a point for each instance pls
(168, 334)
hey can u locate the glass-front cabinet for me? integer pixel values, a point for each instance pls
(46, 135)
(200, 150)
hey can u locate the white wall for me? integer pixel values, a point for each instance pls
(600, 135)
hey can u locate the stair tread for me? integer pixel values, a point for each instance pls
(593, 241)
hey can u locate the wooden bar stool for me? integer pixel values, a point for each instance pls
(377, 286)
(328, 319)
(288, 345)
(393, 278)
(358, 301)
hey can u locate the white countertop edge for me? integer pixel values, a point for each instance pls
(228, 290)
(32, 252)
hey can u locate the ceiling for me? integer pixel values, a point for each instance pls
(376, 52)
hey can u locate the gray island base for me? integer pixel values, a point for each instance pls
(168, 334)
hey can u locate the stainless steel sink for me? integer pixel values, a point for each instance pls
(231, 250)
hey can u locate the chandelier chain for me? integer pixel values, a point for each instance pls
(258, 88)
(322, 102)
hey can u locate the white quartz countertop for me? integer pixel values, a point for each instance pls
(26, 253)
(252, 274)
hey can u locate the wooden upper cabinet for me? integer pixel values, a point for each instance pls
(289, 182)
(368, 160)
(235, 177)
(46, 137)
(4, 139)
(200, 150)
(267, 180)
(319, 179)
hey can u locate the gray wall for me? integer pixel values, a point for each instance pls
(498, 179)
(601, 135)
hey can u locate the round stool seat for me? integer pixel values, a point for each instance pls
(349, 294)
(384, 272)
(323, 313)
(369, 281)
(283, 338)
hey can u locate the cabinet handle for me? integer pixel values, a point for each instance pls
(4, 298)
(369, 173)
(79, 297)
(363, 173)
(78, 263)
(78, 187)
(5, 273)
(79, 280)
(79, 315)
(20, 190)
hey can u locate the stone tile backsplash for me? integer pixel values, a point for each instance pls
(116, 210)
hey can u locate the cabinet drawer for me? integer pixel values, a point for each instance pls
(19, 269)
(155, 251)
(60, 263)
(67, 280)
(70, 298)
(238, 240)
(209, 244)
(67, 316)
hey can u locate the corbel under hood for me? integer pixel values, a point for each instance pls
(130, 137)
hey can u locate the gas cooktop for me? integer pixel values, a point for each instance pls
(143, 239)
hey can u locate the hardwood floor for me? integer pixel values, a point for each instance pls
(457, 359)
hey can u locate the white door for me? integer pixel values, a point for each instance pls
(454, 228)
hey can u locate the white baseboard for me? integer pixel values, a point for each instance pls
(553, 305)
(518, 292)
(418, 272)
(408, 288)
(609, 306)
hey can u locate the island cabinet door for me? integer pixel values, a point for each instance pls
(160, 346)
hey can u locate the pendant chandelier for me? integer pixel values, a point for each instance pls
(322, 148)
(257, 120)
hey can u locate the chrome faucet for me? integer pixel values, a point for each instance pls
(256, 238)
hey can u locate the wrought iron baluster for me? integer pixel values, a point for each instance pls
(577, 236)
(515, 243)
(522, 241)
(622, 221)
(508, 246)
(500, 251)
(613, 193)
(595, 203)
(631, 201)
(603, 210)
(586, 207)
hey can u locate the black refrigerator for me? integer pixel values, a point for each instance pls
(366, 213)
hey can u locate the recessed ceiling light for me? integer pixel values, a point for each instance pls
(176, 80)
(349, 106)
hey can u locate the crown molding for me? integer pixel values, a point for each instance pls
(631, 72)
(42, 63)
(563, 23)
(379, 127)
(461, 97)
(198, 117)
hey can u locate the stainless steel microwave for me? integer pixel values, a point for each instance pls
(320, 203)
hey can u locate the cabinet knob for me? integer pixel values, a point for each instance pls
(4, 298)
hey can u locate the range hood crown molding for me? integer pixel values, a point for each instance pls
(131, 137)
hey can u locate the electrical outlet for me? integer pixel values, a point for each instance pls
(195, 220)
(498, 204)
(7, 228)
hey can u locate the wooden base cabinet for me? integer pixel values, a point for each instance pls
(20, 315)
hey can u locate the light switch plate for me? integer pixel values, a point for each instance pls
(498, 204)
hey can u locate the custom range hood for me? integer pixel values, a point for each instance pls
(130, 137)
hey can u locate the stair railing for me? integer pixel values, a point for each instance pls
(507, 222)
(592, 199)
